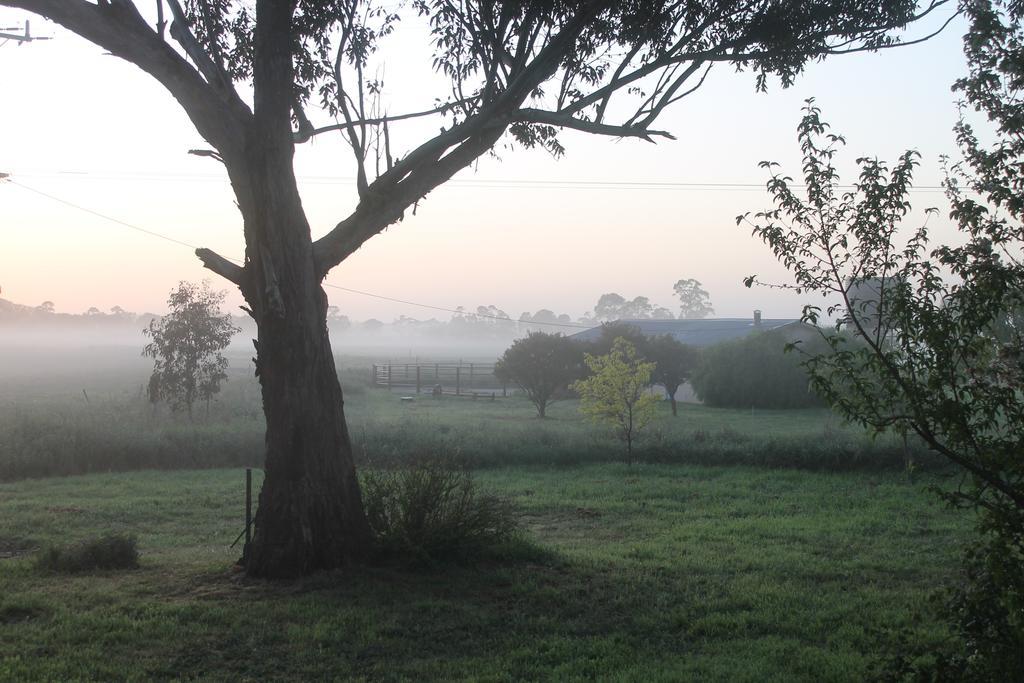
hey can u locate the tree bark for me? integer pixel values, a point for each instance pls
(310, 514)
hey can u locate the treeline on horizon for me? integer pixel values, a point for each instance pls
(483, 322)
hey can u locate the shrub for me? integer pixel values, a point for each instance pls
(985, 613)
(754, 372)
(542, 365)
(112, 551)
(986, 609)
(430, 509)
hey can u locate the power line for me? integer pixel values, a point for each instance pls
(99, 215)
(152, 233)
(479, 183)
(453, 310)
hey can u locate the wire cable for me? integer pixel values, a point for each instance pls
(153, 233)
(99, 215)
(479, 183)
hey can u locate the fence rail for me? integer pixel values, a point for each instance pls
(456, 379)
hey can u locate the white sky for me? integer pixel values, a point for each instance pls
(93, 130)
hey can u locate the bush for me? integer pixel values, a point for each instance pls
(985, 612)
(430, 510)
(754, 372)
(113, 551)
(543, 366)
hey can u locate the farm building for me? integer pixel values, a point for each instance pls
(704, 332)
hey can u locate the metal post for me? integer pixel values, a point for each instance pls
(417, 379)
(373, 375)
(458, 380)
(470, 374)
(248, 514)
(389, 376)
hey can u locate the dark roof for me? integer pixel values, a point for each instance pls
(695, 332)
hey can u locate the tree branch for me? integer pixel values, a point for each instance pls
(382, 120)
(232, 272)
(212, 71)
(384, 201)
(117, 27)
(564, 121)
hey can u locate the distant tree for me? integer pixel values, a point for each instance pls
(544, 319)
(542, 365)
(638, 309)
(609, 306)
(93, 311)
(45, 307)
(753, 372)
(616, 394)
(543, 316)
(615, 330)
(496, 320)
(674, 363)
(186, 347)
(372, 325)
(336, 322)
(662, 313)
(613, 306)
(694, 301)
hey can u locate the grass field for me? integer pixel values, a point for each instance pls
(655, 572)
(747, 546)
(49, 429)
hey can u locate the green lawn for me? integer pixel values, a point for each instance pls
(656, 572)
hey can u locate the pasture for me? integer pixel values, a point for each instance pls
(746, 545)
(655, 572)
(99, 420)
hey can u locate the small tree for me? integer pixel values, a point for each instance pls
(615, 393)
(694, 301)
(674, 363)
(542, 365)
(186, 347)
(938, 353)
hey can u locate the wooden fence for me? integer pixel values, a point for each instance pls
(454, 379)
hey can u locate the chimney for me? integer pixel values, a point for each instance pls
(757, 318)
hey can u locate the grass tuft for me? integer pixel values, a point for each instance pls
(112, 551)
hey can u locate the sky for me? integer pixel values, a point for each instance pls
(519, 230)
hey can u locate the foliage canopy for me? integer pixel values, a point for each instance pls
(694, 301)
(186, 347)
(753, 372)
(616, 394)
(939, 351)
(543, 366)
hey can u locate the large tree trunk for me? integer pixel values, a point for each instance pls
(310, 514)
